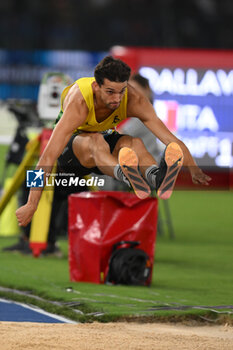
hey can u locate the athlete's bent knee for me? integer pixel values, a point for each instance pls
(137, 144)
(98, 144)
(81, 149)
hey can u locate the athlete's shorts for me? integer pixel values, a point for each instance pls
(68, 162)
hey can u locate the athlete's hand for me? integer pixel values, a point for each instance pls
(24, 214)
(198, 177)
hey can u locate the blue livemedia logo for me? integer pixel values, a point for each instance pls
(35, 178)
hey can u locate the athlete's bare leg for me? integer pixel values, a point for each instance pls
(92, 150)
(145, 159)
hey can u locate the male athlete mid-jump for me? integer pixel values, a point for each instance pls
(84, 138)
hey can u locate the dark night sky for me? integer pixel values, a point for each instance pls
(100, 24)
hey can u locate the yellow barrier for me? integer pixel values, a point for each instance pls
(19, 176)
(8, 221)
(41, 220)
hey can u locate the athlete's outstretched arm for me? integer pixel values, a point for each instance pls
(140, 107)
(75, 112)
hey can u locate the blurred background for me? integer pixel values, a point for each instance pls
(100, 24)
(72, 36)
(183, 48)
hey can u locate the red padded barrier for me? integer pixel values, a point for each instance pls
(44, 138)
(98, 220)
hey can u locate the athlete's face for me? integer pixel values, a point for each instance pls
(111, 93)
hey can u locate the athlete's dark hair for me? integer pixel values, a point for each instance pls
(112, 69)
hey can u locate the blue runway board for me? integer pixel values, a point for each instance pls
(16, 312)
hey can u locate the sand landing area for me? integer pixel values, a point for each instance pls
(114, 336)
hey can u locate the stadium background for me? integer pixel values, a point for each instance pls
(72, 36)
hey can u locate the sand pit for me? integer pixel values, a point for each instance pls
(114, 336)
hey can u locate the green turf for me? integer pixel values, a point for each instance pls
(194, 269)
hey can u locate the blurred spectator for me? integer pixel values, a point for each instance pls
(135, 127)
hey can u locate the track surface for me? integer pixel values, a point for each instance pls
(18, 312)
